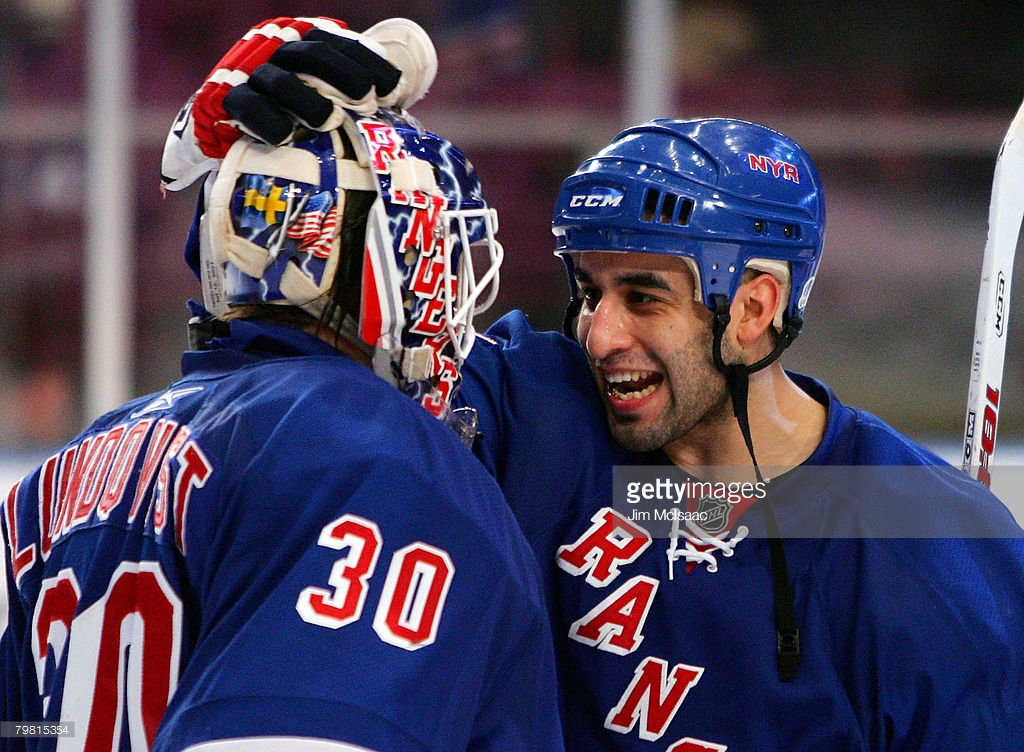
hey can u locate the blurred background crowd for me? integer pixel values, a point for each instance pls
(903, 106)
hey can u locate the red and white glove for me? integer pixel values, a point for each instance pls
(289, 72)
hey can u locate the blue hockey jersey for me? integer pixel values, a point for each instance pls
(909, 640)
(278, 545)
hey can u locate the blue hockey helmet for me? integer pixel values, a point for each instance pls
(723, 194)
(271, 234)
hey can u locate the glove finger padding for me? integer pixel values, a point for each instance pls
(344, 63)
(267, 122)
(213, 124)
(410, 55)
(293, 84)
(287, 72)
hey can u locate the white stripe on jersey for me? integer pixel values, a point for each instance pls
(275, 744)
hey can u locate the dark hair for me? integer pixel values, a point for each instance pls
(346, 288)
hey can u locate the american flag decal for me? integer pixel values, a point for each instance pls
(314, 227)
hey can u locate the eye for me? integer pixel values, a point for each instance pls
(638, 297)
(590, 296)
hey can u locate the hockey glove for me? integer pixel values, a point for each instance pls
(295, 71)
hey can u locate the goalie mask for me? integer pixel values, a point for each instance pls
(271, 234)
(726, 195)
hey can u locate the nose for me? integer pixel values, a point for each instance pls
(605, 330)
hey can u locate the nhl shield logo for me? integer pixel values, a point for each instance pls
(712, 515)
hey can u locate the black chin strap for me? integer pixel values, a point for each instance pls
(737, 377)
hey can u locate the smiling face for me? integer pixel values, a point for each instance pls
(650, 347)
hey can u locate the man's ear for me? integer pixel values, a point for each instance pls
(753, 309)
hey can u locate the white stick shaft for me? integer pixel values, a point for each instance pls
(1006, 212)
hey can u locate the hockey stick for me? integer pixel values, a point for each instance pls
(1006, 211)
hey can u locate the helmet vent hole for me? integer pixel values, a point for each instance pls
(650, 204)
(759, 226)
(685, 210)
(666, 208)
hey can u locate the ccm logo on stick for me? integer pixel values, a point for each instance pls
(1000, 303)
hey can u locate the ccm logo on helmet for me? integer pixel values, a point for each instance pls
(774, 167)
(598, 199)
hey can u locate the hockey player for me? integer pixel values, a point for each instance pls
(856, 593)
(282, 550)
(861, 594)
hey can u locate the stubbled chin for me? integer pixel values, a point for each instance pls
(634, 423)
(633, 434)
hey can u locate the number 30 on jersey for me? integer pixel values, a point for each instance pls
(414, 590)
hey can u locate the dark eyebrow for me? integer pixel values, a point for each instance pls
(644, 279)
(630, 279)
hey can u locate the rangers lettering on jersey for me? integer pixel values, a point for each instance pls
(615, 625)
(653, 698)
(612, 540)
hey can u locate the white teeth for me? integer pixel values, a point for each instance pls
(627, 384)
(618, 378)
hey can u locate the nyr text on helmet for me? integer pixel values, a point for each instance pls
(774, 167)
